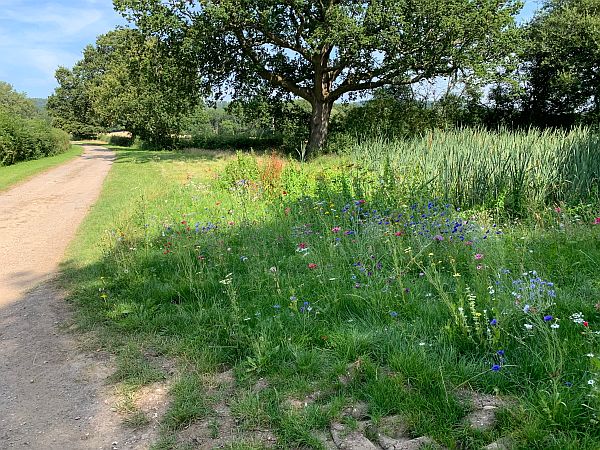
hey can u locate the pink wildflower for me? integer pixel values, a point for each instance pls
(478, 256)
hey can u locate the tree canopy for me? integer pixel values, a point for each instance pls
(322, 51)
(562, 56)
(14, 103)
(126, 80)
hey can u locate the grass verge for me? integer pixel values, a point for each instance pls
(320, 291)
(13, 174)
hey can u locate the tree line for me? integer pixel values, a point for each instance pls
(302, 69)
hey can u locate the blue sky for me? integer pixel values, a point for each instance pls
(37, 36)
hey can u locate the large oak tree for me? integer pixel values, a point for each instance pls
(322, 50)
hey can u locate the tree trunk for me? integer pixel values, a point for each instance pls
(319, 124)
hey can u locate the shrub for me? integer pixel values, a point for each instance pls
(24, 139)
(121, 141)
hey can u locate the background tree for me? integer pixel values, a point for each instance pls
(70, 106)
(320, 50)
(145, 87)
(562, 56)
(14, 103)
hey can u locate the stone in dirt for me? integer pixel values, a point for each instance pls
(403, 444)
(347, 439)
(483, 415)
(357, 411)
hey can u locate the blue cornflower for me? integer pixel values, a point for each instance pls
(500, 352)
(496, 367)
(393, 314)
(548, 318)
(277, 306)
(494, 322)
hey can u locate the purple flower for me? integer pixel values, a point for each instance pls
(548, 318)
(494, 322)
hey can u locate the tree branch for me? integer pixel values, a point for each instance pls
(271, 77)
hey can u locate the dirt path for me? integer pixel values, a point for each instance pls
(52, 396)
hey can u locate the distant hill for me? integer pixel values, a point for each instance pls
(40, 103)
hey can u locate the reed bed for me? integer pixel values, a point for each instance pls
(507, 170)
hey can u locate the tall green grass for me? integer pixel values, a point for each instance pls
(321, 278)
(500, 170)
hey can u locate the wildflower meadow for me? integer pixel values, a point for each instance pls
(352, 282)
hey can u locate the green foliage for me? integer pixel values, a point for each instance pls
(24, 139)
(561, 51)
(121, 141)
(320, 51)
(340, 291)
(510, 172)
(71, 105)
(15, 104)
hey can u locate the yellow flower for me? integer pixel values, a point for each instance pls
(456, 275)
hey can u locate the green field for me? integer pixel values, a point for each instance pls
(285, 293)
(13, 174)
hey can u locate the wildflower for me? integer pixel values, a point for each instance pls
(357, 285)
(526, 309)
(438, 237)
(554, 325)
(500, 352)
(585, 323)
(421, 344)
(478, 256)
(243, 258)
(496, 367)
(393, 314)
(548, 318)
(568, 384)
(335, 229)
(577, 318)
(273, 269)
(597, 221)
(591, 382)
(348, 232)
(302, 245)
(277, 306)
(494, 322)
(479, 267)
(528, 326)
(557, 209)
(312, 266)
(590, 355)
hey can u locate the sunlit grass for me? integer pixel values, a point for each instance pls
(13, 174)
(323, 278)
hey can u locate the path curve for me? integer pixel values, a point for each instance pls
(52, 395)
(39, 217)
